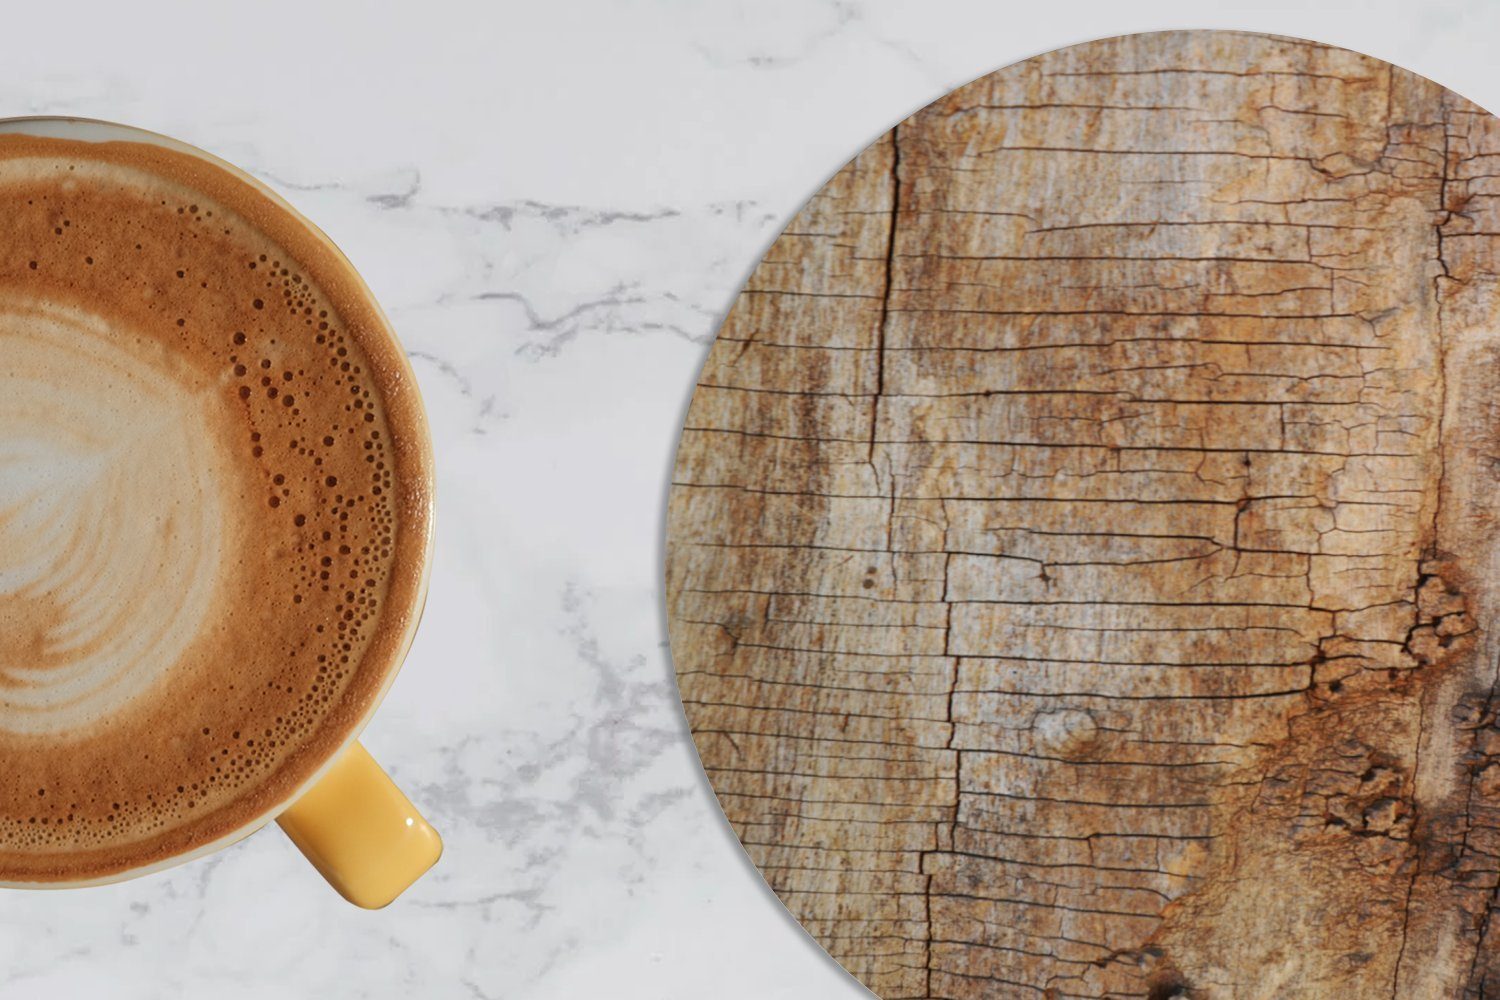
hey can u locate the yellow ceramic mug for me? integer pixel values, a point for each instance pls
(349, 819)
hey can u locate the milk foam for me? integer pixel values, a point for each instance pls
(110, 517)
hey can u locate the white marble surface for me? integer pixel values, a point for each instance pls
(555, 202)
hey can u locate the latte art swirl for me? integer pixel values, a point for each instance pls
(110, 517)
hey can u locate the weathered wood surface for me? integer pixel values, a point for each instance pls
(1081, 562)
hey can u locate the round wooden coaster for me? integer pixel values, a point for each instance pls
(1081, 562)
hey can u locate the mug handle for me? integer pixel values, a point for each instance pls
(360, 832)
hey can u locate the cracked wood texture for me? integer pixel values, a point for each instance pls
(1081, 556)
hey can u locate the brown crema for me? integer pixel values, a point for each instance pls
(214, 506)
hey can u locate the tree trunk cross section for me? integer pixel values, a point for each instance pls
(1082, 566)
